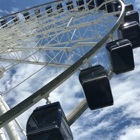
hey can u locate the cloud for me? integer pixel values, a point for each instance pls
(131, 133)
(4, 11)
(137, 4)
(14, 10)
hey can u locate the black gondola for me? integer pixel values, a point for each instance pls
(3, 23)
(128, 7)
(91, 4)
(110, 7)
(70, 5)
(120, 56)
(15, 19)
(80, 5)
(96, 86)
(116, 6)
(26, 15)
(48, 122)
(49, 9)
(130, 31)
(99, 2)
(113, 7)
(131, 16)
(37, 13)
(59, 7)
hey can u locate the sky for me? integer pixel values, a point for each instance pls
(118, 122)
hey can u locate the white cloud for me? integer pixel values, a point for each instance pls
(131, 133)
(14, 9)
(137, 4)
(4, 11)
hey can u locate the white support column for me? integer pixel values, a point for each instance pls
(20, 127)
(16, 121)
(2, 135)
(11, 131)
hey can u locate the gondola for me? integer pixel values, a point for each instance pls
(48, 122)
(96, 86)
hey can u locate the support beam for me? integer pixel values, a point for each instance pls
(16, 121)
(2, 135)
(11, 131)
(77, 112)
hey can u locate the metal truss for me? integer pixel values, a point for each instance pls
(46, 90)
(58, 38)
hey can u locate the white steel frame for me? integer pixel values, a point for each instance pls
(16, 38)
(71, 67)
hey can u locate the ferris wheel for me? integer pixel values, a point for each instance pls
(66, 35)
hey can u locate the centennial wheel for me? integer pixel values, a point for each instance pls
(53, 41)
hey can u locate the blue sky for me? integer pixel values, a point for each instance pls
(118, 122)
